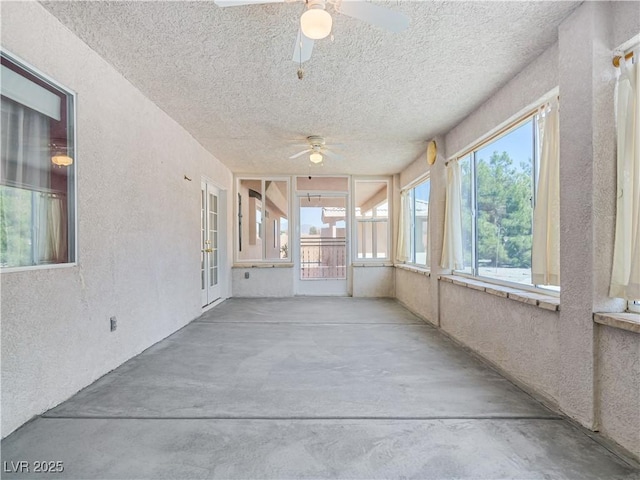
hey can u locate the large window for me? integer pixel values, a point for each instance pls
(263, 219)
(372, 219)
(416, 223)
(497, 186)
(37, 169)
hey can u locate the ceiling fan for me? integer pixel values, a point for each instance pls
(316, 22)
(317, 150)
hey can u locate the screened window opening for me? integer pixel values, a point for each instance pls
(263, 219)
(37, 169)
(372, 219)
(418, 198)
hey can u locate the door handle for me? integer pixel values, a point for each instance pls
(208, 250)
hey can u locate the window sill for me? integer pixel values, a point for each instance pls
(262, 265)
(546, 302)
(372, 264)
(622, 321)
(414, 269)
(34, 268)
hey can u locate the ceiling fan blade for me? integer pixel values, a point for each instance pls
(302, 49)
(376, 15)
(332, 155)
(299, 154)
(238, 3)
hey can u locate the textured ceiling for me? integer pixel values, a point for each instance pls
(226, 75)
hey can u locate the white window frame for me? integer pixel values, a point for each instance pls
(499, 133)
(260, 230)
(357, 220)
(410, 229)
(72, 222)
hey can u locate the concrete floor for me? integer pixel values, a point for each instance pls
(308, 388)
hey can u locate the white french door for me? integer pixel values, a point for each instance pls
(210, 243)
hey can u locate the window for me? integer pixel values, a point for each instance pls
(419, 228)
(263, 212)
(37, 165)
(498, 181)
(372, 219)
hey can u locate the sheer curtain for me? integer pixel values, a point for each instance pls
(51, 240)
(452, 248)
(545, 251)
(404, 221)
(625, 275)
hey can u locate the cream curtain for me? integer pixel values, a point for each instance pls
(404, 221)
(452, 248)
(545, 252)
(625, 275)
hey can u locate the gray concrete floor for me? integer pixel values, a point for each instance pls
(308, 388)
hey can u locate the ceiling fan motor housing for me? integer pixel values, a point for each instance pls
(316, 141)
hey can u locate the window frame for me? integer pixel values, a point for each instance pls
(72, 128)
(356, 219)
(265, 220)
(410, 230)
(470, 152)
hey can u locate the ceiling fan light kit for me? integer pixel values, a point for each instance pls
(316, 22)
(317, 151)
(315, 157)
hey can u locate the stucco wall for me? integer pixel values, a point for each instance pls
(373, 281)
(138, 231)
(264, 281)
(537, 79)
(413, 290)
(555, 353)
(626, 21)
(618, 387)
(521, 339)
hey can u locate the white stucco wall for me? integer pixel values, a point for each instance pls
(138, 231)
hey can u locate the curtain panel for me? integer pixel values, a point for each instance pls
(545, 251)
(404, 223)
(452, 257)
(625, 275)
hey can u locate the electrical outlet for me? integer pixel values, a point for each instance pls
(114, 323)
(246, 274)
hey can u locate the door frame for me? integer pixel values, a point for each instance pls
(223, 228)
(321, 286)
